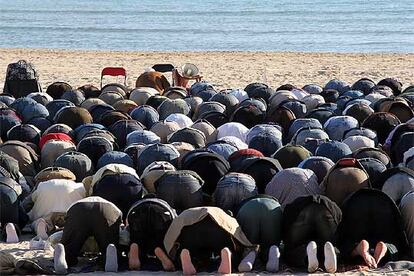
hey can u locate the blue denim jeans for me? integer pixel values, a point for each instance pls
(232, 189)
(180, 189)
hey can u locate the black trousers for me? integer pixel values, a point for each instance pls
(372, 216)
(314, 223)
(203, 239)
(85, 219)
(10, 209)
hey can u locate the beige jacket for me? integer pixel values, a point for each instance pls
(194, 215)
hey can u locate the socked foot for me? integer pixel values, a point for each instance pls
(272, 264)
(167, 264)
(59, 260)
(225, 265)
(133, 258)
(247, 263)
(330, 258)
(311, 251)
(187, 265)
(111, 262)
(11, 234)
(380, 251)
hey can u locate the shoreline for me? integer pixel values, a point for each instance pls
(225, 69)
(209, 51)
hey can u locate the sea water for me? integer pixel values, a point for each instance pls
(200, 25)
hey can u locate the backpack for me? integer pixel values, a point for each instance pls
(21, 79)
(149, 217)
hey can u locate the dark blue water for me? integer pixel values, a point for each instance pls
(199, 25)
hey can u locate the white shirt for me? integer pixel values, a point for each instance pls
(55, 195)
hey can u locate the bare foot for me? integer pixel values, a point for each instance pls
(225, 265)
(133, 258)
(362, 250)
(187, 265)
(41, 229)
(380, 251)
(167, 264)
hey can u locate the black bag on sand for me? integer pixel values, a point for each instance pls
(21, 79)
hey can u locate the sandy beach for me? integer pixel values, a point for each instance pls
(224, 69)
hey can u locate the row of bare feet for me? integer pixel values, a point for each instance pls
(185, 257)
(135, 263)
(362, 249)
